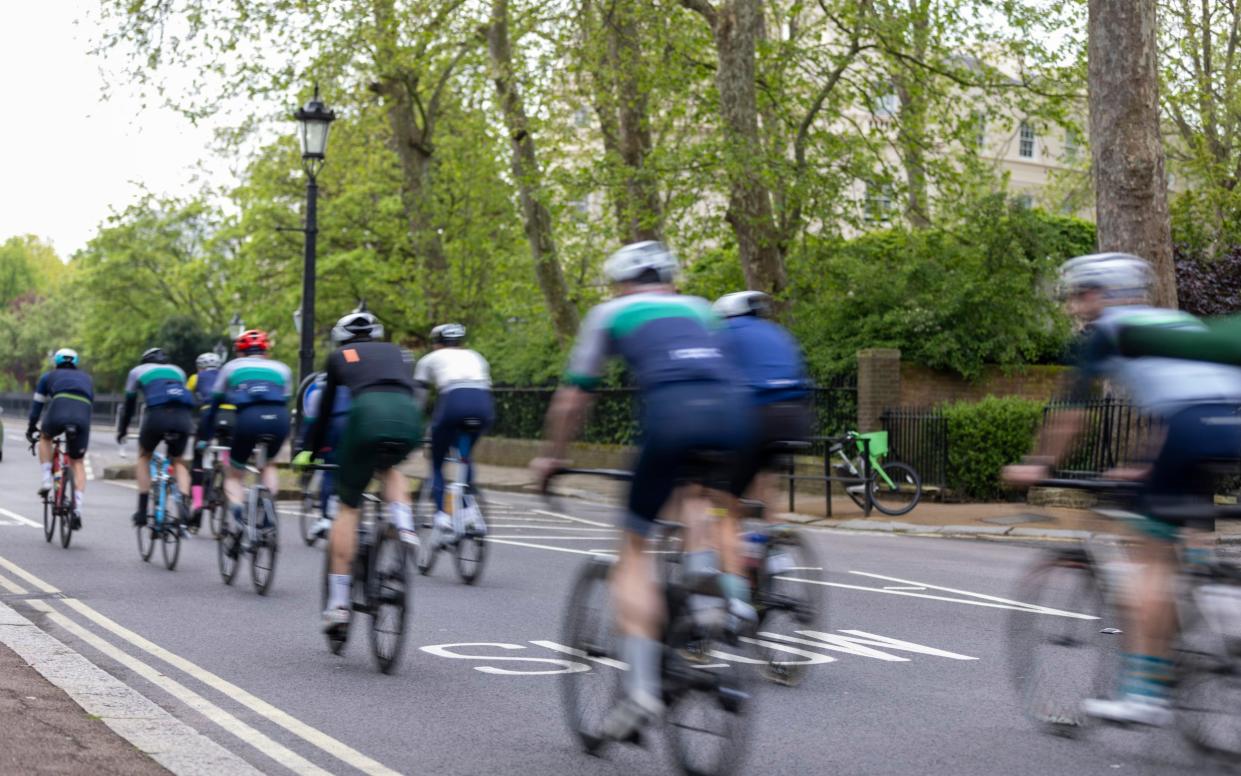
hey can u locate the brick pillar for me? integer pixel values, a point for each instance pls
(878, 385)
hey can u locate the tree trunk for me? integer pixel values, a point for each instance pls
(736, 25)
(526, 172)
(1130, 182)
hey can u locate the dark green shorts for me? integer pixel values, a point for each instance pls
(383, 428)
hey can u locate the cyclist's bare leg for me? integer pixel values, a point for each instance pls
(1152, 599)
(395, 487)
(182, 474)
(234, 489)
(343, 540)
(45, 449)
(78, 467)
(639, 606)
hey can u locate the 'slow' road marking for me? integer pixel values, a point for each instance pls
(323, 741)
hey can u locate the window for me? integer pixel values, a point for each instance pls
(1025, 147)
(887, 104)
(878, 203)
(581, 117)
(980, 130)
(1072, 144)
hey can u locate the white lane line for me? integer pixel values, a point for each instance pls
(548, 547)
(90, 470)
(572, 518)
(323, 741)
(212, 712)
(547, 538)
(19, 518)
(983, 596)
(566, 650)
(123, 484)
(574, 528)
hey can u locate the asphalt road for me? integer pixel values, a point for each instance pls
(477, 691)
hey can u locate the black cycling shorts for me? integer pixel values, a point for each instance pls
(225, 421)
(784, 421)
(175, 421)
(253, 422)
(65, 411)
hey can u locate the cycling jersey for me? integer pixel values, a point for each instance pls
(362, 367)
(161, 385)
(245, 382)
(311, 401)
(63, 381)
(201, 384)
(451, 368)
(769, 358)
(663, 337)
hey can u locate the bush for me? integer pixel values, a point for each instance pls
(985, 436)
(1208, 287)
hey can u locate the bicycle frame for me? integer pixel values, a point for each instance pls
(161, 475)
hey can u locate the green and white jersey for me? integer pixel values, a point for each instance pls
(159, 384)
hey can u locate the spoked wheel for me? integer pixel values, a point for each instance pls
(67, 499)
(589, 632)
(146, 538)
(902, 494)
(391, 579)
(49, 519)
(427, 550)
(705, 720)
(228, 551)
(1068, 652)
(470, 553)
(1208, 694)
(216, 504)
(263, 562)
(337, 637)
(785, 605)
(171, 544)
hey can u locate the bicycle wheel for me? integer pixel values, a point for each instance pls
(49, 519)
(147, 534)
(1068, 651)
(470, 551)
(307, 516)
(589, 633)
(217, 503)
(427, 551)
(335, 639)
(228, 551)
(263, 563)
(67, 498)
(705, 719)
(390, 585)
(785, 605)
(1208, 693)
(900, 496)
(171, 544)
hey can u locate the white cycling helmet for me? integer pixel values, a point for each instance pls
(448, 334)
(357, 324)
(649, 258)
(207, 361)
(741, 303)
(1116, 275)
(65, 356)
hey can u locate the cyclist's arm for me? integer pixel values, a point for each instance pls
(131, 403)
(316, 433)
(565, 417)
(423, 378)
(41, 397)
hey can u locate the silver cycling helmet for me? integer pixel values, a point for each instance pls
(154, 356)
(448, 334)
(741, 303)
(355, 325)
(650, 259)
(207, 361)
(1116, 275)
(65, 356)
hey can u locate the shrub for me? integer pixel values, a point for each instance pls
(985, 436)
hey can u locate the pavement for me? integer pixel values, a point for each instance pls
(908, 673)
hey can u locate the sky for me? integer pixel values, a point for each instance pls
(68, 156)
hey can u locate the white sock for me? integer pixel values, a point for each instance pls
(401, 516)
(77, 498)
(338, 591)
(47, 470)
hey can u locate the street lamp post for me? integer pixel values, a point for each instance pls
(314, 118)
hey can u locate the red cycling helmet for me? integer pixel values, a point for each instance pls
(254, 339)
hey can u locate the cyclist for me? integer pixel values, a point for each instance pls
(1199, 405)
(462, 381)
(68, 394)
(207, 369)
(339, 412)
(384, 425)
(771, 364)
(168, 412)
(691, 402)
(259, 387)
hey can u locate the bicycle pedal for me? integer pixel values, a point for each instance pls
(636, 739)
(732, 700)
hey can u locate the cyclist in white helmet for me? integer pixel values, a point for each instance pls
(68, 395)
(1199, 405)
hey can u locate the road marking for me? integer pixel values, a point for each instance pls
(193, 700)
(567, 650)
(548, 547)
(546, 527)
(572, 518)
(123, 484)
(983, 596)
(553, 538)
(19, 518)
(332, 746)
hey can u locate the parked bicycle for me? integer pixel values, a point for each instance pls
(258, 537)
(1069, 651)
(163, 523)
(893, 488)
(464, 505)
(58, 504)
(381, 583)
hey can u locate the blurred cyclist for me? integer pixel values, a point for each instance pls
(690, 402)
(1200, 407)
(169, 413)
(67, 393)
(201, 383)
(312, 406)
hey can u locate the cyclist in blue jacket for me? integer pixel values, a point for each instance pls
(67, 393)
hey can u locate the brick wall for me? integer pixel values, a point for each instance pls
(878, 385)
(922, 387)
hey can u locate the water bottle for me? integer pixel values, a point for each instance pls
(755, 548)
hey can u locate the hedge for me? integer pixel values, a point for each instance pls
(984, 437)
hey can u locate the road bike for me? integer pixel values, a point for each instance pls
(894, 488)
(214, 504)
(382, 578)
(1069, 648)
(464, 505)
(704, 702)
(258, 536)
(311, 509)
(60, 502)
(162, 526)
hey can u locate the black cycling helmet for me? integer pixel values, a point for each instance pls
(448, 334)
(154, 356)
(357, 325)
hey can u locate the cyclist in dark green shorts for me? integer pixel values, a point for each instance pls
(380, 380)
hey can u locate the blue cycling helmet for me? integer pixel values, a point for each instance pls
(65, 356)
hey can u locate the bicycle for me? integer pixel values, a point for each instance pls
(59, 503)
(1061, 658)
(894, 488)
(214, 502)
(311, 508)
(259, 537)
(160, 526)
(464, 505)
(381, 581)
(698, 698)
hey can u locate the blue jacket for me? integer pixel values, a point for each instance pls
(768, 358)
(65, 381)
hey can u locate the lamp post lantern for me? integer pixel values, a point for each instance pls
(236, 326)
(314, 119)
